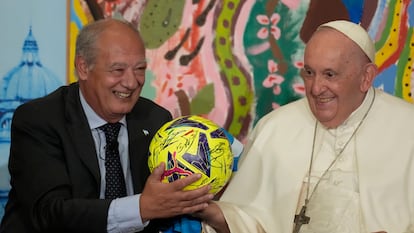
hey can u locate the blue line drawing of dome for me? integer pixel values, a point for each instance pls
(30, 79)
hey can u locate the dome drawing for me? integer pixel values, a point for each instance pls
(30, 79)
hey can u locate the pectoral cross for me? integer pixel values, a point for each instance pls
(300, 219)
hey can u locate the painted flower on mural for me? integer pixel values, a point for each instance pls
(275, 105)
(269, 26)
(298, 86)
(273, 80)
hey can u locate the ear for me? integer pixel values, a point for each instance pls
(82, 68)
(369, 73)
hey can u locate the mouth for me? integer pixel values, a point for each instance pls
(323, 100)
(122, 95)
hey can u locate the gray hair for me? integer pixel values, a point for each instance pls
(89, 34)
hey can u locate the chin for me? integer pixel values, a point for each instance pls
(325, 120)
(122, 110)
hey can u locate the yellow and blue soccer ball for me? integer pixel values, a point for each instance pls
(193, 144)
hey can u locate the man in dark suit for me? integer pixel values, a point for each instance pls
(57, 155)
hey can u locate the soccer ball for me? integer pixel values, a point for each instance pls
(193, 144)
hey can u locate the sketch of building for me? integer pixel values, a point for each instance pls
(28, 80)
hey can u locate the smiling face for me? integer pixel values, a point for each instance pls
(337, 75)
(113, 83)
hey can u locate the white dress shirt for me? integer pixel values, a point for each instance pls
(122, 216)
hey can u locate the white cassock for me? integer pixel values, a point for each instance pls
(369, 188)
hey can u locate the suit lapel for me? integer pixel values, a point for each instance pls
(139, 140)
(79, 130)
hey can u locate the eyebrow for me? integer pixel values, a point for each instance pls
(142, 62)
(123, 64)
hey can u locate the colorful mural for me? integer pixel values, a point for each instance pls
(234, 61)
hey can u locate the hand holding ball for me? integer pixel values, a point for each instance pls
(193, 144)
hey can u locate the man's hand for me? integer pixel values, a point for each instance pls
(213, 216)
(161, 200)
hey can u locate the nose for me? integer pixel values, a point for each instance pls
(133, 80)
(318, 85)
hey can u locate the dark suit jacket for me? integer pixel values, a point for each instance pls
(54, 169)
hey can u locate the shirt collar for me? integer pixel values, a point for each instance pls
(94, 119)
(360, 112)
(357, 115)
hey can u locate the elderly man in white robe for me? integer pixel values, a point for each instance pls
(340, 160)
